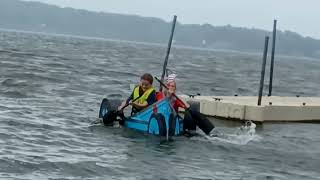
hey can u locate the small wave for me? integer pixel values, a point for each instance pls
(242, 136)
(18, 53)
(238, 139)
(13, 83)
(15, 94)
(193, 65)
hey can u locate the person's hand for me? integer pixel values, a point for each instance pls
(134, 104)
(121, 106)
(187, 105)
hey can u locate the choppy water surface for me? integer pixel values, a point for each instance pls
(51, 87)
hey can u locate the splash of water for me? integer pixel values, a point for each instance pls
(242, 136)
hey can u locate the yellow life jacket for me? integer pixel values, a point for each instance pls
(142, 98)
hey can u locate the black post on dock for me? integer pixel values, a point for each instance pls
(272, 55)
(168, 49)
(263, 69)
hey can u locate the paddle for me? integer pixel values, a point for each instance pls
(128, 104)
(203, 123)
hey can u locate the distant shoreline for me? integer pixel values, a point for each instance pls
(152, 44)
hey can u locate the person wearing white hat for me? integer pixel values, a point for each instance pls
(191, 118)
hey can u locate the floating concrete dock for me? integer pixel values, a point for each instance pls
(272, 109)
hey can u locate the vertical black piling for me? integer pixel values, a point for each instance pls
(272, 56)
(168, 49)
(263, 69)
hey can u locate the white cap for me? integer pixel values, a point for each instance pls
(171, 78)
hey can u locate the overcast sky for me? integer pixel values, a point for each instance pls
(300, 16)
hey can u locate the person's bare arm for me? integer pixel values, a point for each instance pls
(123, 104)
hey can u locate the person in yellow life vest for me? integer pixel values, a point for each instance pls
(142, 96)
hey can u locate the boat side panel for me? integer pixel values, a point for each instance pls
(140, 121)
(136, 125)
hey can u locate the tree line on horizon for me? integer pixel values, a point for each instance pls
(40, 17)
